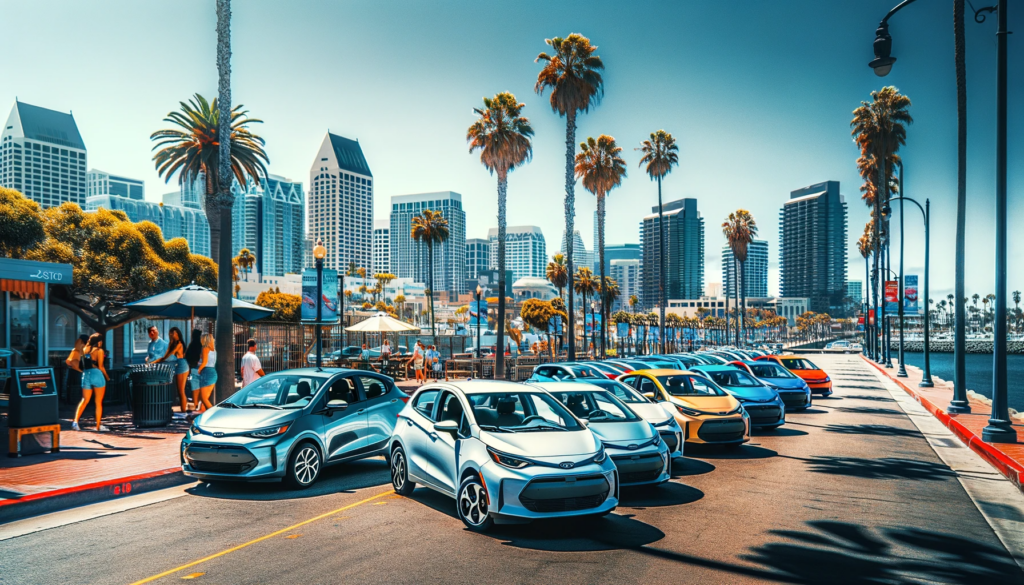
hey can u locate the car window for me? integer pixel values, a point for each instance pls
(585, 372)
(621, 391)
(647, 386)
(373, 387)
(451, 409)
(343, 389)
(424, 403)
(596, 406)
(281, 391)
(734, 378)
(520, 412)
(798, 364)
(770, 371)
(687, 385)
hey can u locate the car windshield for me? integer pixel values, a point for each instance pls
(798, 364)
(520, 412)
(621, 391)
(733, 378)
(585, 372)
(596, 406)
(277, 391)
(770, 371)
(689, 385)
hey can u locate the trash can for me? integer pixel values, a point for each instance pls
(152, 390)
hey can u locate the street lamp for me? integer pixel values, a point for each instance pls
(926, 379)
(479, 292)
(319, 253)
(593, 326)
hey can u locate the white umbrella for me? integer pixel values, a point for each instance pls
(382, 322)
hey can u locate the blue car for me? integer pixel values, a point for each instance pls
(795, 393)
(560, 372)
(762, 403)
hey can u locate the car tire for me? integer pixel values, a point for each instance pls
(304, 466)
(400, 473)
(472, 505)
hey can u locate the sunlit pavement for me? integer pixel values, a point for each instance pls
(847, 492)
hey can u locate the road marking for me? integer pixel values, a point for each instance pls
(260, 539)
(192, 576)
(293, 536)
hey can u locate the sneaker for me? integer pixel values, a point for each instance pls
(102, 429)
(75, 427)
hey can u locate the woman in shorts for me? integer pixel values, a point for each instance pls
(417, 363)
(207, 372)
(94, 380)
(176, 357)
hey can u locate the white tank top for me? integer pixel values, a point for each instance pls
(211, 359)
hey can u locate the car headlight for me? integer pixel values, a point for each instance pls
(507, 460)
(194, 429)
(827, 379)
(267, 433)
(688, 411)
(601, 455)
(656, 440)
(668, 422)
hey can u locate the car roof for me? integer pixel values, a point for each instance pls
(580, 386)
(476, 386)
(714, 368)
(660, 372)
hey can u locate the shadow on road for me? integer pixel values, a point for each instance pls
(811, 410)
(612, 532)
(864, 397)
(884, 468)
(869, 410)
(880, 430)
(666, 494)
(783, 432)
(726, 452)
(684, 466)
(346, 477)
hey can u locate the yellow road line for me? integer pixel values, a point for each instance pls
(260, 539)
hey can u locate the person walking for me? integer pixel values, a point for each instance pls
(94, 380)
(385, 355)
(73, 382)
(417, 362)
(207, 372)
(252, 369)
(193, 355)
(157, 347)
(175, 356)
(435, 362)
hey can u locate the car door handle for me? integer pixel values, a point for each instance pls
(433, 436)
(361, 411)
(394, 401)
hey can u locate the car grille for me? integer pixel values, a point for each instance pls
(564, 504)
(815, 380)
(212, 467)
(670, 441)
(763, 414)
(791, 399)
(721, 431)
(640, 476)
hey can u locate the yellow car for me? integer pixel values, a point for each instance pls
(706, 413)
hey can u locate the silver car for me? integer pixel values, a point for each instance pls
(662, 420)
(291, 423)
(506, 452)
(633, 444)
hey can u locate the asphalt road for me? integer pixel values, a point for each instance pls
(847, 492)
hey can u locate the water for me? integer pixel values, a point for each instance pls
(979, 372)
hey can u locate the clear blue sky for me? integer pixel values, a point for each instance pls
(759, 95)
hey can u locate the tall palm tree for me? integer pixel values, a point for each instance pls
(633, 302)
(739, 230)
(573, 74)
(502, 136)
(864, 245)
(430, 228)
(558, 273)
(660, 154)
(585, 285)
(601, 167)
(609, 294)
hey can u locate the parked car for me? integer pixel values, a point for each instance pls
(290, 424)
(503, 451)
(609, 370)
(565, 371)
(713, 359)
(762, 403)
(706, 413)
(635, 447)
(816, 378)
(660, 419)
(795, 393)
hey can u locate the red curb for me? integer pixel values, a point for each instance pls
(1004, 464)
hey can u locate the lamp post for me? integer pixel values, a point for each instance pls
(902, 373)
(479, 292)
(926, 379)
(319, 253)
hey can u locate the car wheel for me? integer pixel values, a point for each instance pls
(473, 505)
(400, 473)
(303, 467)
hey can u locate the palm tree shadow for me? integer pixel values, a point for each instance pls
(345, 478)
(730, 452)
(883, 468)
(684, 466)
(666, 494)
(612, 532)
(879, 430)
(869, 410)
(864, 397)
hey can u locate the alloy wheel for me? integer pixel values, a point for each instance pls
(307, 465)
(473, 503)
(398, 470)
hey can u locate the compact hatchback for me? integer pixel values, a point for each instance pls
(650, 411)
(763, 404)
(506, 452)
(291, 424)
(816, 378)
(795, 393)
(566, 371)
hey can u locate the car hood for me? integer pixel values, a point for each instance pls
(652, 413)
(618, 432)
(752, 393)
(786, 383)
(811, 374)
(244, 419)
(707, 403)
(543, 444)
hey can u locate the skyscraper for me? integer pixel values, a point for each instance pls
(409, 258)
(580, 255)
(755, 270)
(526, 252)
(684, 248)
(267, 218)
(812, 250)
(341, 203)
(42, 156)
(381, 246)
(478, 256)
(627, 274)
(616, 252)
(101, 183)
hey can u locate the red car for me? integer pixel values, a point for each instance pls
(815, 377)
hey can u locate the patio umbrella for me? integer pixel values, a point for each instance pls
(189, 302)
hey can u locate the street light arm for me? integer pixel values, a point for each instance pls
(896, 9)
(902, 198)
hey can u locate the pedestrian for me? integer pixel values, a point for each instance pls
(94, 380)
(193, 355)
(252, 369)
(364, 354)
(157, 347)
(73, 382)
(435, 361)
(385, 355)
(417, 362)
(207, 372)
(175, 356)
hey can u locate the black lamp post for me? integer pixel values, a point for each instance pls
(926, 379)
(902, 373)
(479, 292)
(319, 253)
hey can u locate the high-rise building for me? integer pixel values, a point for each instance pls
(580, 255)
(478, 257)
(616, 252)
(101, 183)
(755, 270)
(684, 248)
(174, 221)
(409, 257)
(855, 291)
(341, 203)
(268, 220)
(812, 250)
(627, 274)
(42, 156)
(526, 252)
(381, 246)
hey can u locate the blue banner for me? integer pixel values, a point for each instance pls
(622, 330)
(478, 313)
(328, 300)
(910, 304)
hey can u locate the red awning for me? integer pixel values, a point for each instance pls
(25, 288)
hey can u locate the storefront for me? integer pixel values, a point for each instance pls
(25, 313)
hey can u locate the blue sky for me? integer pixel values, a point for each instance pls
(759, 96)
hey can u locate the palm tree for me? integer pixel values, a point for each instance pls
(430, 227)
(633, 302)
(502, 136)
(864, 245)
(584, 284)
(1016, 300)
(573, 74)
(608, 295)
(601, 167)
(558, 273)
(246, 260)
(739, 230)
(660, 154)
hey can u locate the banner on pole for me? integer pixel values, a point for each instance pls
(328, 300)
(892, 296)
(910, 304)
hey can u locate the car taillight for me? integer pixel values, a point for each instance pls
(404, 399)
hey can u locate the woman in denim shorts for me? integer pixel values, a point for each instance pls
(94, 380)
(207, 372)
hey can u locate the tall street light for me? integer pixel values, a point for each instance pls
(479, 292)
(926, 379)
(319, 253)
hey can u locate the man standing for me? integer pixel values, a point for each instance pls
(157, 346)
(252, 369)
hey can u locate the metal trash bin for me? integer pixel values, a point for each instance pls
(152, 391)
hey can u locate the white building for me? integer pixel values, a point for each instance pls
(267, 219)
(341, 203)
(791, 308)
(409, 257)
(533, 287)
(102, 183)
(755, 270)
(478, 257)
(526, 251)
(381, 246)
(42, 156)
(627, 274)
(580, 255)
(715, 306)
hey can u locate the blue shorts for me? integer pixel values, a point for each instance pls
(93, 378)
(181, 367)
(207, 376)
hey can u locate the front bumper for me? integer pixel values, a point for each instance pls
(646, 467)
(766, 414)
(823, 388)
(718, 431)
(795, 399)
(536, 493)
(232, 462)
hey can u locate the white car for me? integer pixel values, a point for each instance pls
(662, 421)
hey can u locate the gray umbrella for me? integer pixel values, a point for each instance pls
(195, 301)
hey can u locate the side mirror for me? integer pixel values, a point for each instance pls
(649, 395)
(337, 404)
(447, 426)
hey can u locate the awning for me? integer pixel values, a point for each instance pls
(24, 287)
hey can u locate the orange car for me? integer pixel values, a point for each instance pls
(815, 377)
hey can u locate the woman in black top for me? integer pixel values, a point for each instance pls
(193, 353)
